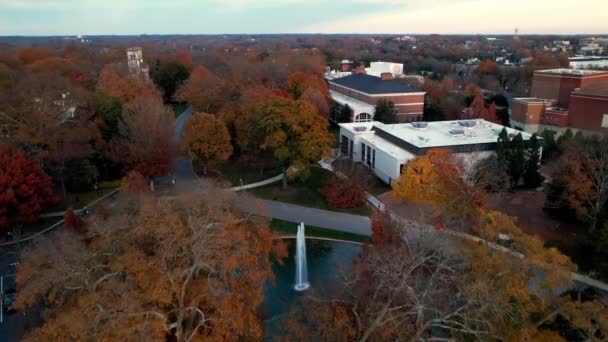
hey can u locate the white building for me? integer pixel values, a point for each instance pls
(387, 148)
(377, 68)
(588, 62)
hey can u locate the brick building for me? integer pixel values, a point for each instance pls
(361, 92)
(564, 98)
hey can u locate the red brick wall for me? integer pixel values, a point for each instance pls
(586, 112)
(559, 87)
(555, 118)
(527, 113)
(417, 100)
(545, 87)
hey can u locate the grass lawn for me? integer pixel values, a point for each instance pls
(41, 224)
(378, 187)
(305, 193)
(179, 108)
(233, 172)
(77, 201)
(290, 228)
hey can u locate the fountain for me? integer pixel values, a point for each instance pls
(301, 271)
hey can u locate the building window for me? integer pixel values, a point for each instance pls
(369, 156)
(350, 150)
(362, 152)
(344, 145)
(363, 117)
(373, 159)
(605, 121)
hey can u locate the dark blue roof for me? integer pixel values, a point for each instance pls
(373, 85)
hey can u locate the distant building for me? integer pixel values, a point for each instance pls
(135, 61)
(588, 62)
(385, 149)
(362, 91)
(564, 98)
(378, 68)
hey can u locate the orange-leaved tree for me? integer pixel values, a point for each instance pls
(178, 270)
(294, 133)
(116, 81)
(145, 142)
(438, 178)
(298, 82)
(207, 139)
(203, 90)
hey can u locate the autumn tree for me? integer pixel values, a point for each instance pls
(583, 173)
(412, 286)
(29, 55)
(294, 133)
(299, 82)
(440, 179)
(145, 143)
(317, 99)
(347, 187)
(25, 190)
(203, 90)
(207, 139)
(176, 269)
(116, 81)
(385, 112)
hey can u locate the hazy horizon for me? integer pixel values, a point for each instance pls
(163, 17)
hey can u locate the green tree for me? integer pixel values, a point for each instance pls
(108, 110)
(385, 112)
(517, 159)
(170, 77)
(532, 176)
(550, 148)
(511, 153)
(294, 133)
(341, 113)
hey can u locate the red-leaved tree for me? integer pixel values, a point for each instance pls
(25, 190)
(348, 189)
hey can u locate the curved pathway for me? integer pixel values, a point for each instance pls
(283, 211)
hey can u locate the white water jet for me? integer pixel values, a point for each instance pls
(301, 267)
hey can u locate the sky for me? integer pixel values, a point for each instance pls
(91, 17)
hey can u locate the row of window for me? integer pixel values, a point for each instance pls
(368, 155)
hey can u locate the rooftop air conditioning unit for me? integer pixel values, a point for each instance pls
(419, 124)
(467, 123)
(360, 129)
(457, 131)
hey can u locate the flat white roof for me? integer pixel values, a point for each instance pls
(572, 71)
(357, 106)
(441, 133)
(387, 147)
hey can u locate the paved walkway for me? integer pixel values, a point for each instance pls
(314, 217)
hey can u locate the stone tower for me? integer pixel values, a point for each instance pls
(135, 61)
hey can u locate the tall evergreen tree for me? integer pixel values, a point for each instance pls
(532, 176)
(516, 159)
(385, 112)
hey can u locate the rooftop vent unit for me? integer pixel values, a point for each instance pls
(420, 124)
(467, 123)
(360, 129)
(457, 131)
